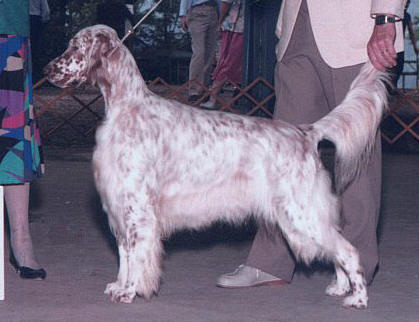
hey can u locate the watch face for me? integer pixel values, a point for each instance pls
(380, 20)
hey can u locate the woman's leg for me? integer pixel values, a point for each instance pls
(17, 204)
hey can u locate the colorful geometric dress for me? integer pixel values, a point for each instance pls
(20, 153)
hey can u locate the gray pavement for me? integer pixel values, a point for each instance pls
(75, 247)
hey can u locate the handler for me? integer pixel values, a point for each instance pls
(323, 47)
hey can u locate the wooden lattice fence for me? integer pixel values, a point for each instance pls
(69, 117)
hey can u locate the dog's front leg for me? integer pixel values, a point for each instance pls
(144, 254)
(139, 252)
(119, 290)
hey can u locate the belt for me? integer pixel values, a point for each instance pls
(211, 3)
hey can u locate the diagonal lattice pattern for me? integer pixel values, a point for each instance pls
(403, 117)
(69, 117)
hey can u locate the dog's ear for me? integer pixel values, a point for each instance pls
(104, 44)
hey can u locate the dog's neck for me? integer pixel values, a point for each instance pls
(119, 79)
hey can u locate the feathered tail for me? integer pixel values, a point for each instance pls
(352, 125)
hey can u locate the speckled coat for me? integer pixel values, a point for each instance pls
(160, 165)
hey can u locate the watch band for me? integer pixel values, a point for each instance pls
(383, 19)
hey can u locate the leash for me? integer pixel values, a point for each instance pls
(131, 31)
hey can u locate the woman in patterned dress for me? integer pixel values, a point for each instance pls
(20, 158)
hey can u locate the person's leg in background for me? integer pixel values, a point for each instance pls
(210, 47)
(229, 66)
(202, 22)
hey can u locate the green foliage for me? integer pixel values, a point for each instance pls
(162, 29)
(67, 17)
(81, 14)
(158, 38)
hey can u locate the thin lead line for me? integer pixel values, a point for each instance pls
(141, 20)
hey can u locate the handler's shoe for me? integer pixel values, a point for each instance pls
(246, 276)
(209, 105)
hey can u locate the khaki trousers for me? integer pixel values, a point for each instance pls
(202, 25)
(306, 90)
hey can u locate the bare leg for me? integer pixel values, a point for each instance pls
(17, 203)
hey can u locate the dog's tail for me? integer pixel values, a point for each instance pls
(352, 125)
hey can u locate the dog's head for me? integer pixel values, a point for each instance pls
(83, 57)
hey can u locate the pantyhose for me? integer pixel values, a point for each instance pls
(17, 203)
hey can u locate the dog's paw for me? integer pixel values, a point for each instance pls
(355, 301)
(119, 294)
(334, 289)
(111, 287)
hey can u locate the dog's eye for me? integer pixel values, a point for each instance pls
(75, 47)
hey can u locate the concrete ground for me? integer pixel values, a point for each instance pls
(75, 247)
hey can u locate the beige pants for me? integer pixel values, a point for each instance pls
(202, 25)
(306, 90)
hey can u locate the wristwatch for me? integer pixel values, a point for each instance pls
(383, 19)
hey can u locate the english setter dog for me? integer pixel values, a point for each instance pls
(160, 165)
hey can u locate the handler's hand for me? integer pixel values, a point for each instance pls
(380, 47)
(184, 23)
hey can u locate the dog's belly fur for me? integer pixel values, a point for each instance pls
(202, 205)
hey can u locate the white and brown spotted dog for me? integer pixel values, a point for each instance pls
(160, 165)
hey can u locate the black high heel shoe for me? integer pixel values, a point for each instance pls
(27, 272)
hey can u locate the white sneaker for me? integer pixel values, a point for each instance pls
(246, 276)
(209, 105)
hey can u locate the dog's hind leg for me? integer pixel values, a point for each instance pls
(349, 273)
(340, 284)
(347, 258)
(312, 232)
